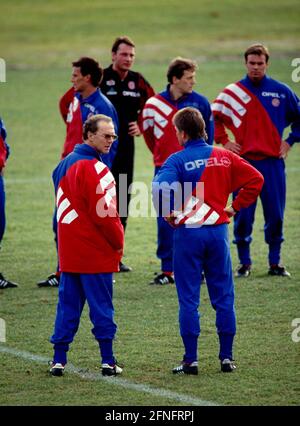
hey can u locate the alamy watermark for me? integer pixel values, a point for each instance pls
(296, 72)
(2, 331)
(296, 331)
(2, 71)
(164, 198)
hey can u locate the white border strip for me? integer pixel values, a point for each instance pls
(189, 400)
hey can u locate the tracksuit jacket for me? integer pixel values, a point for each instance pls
(158, 130)
(257, 116)
(75, 111)
(4, 153)
(214, 173)
(128, 97)
(4, 147)
(90, 234)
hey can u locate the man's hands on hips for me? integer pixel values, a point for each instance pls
(229, 210)
(233, 146)
(284, 149)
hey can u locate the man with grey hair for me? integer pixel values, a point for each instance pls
(90, 243)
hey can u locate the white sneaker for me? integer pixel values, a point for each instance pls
(111, 370)
(227, 365)
(57, 369)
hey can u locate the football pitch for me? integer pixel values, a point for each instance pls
(39, 40)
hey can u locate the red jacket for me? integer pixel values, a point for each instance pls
(257, 116)
(3, 153)
(207, 175)
(90, 233)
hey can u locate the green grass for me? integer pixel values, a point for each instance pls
(42, 34)
(38, 42)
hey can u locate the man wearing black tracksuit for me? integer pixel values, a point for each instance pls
(128, 92)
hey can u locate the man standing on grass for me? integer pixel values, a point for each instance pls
(4, 153)
(160, 136)
(83, 100)
(202, 178)
(128, 91)
(256, 110)
(90, 243)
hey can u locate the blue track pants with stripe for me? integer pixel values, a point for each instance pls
(272, 196)
(74, 290)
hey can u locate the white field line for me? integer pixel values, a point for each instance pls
(116, 381)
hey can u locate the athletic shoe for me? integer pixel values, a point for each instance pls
(227, 365)
(4, 283)
(279, 271)
(242, 271)
(163, 279)
(51, 281)
(111, 370)
(186, 368)
(57, 369)
(124, 268)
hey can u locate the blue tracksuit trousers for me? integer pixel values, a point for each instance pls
(74, 290)
(205, 249)
(273, 202)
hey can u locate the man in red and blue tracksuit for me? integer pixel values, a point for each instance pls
(160, 137)
(83, 100)
(193, 186)
(4, 153)
(90, 243)
(256, 110)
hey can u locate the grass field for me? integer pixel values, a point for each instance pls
(38, 42)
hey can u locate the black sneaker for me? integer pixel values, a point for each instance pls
(242, 271)
(186, 368)
(163, 279)
(227, 365)
(57, 369)
(111, 370)
(124, 268)
(279, 271)
(4, 283)
(51, 281)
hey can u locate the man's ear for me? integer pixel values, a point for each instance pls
(185, 136)
(88, 78)
(89, 134)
